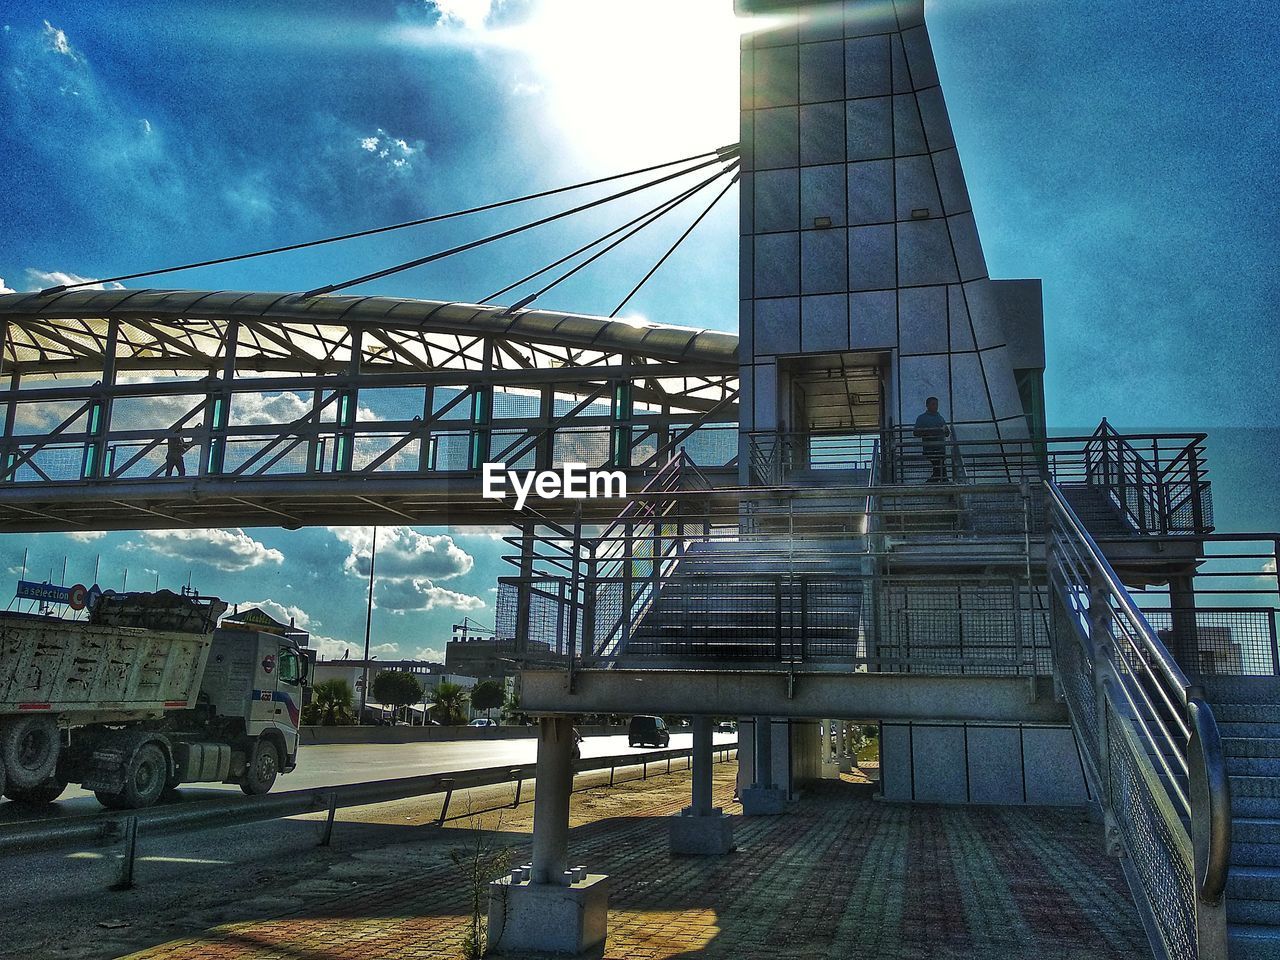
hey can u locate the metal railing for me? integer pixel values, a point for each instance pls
(1144, 484)
(1150, 744)
(124, 826)
(776, 458)
(1158, 490)
(828, 575)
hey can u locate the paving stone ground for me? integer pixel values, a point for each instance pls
(839, 876)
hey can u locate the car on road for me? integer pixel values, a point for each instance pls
(726, 726)
(483, 722)
(648, 731)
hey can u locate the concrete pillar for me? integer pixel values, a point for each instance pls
(764, 752)
(702, 766)
(701, 829)
(763, 797)
(545, 906)
(846, 747)
(551, 801)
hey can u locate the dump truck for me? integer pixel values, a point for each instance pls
(145, 695)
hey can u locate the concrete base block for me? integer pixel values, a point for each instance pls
(830, 770)
(763, 801)
(701, 836)
(846, 764)
(549, 917)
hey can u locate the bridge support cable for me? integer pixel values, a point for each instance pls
(730, 157)
(636, 225)
(726, 151)
(679, 240)
(666, 204)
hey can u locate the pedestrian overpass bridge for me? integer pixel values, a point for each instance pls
(355, 410)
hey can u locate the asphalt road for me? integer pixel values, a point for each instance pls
(58, 903)
(325, 765)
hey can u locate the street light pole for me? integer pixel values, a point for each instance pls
(368, 622)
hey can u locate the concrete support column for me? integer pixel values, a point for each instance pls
(701, 829)
(764, 752)
(544, 906)
(551, 801)
(702, 766)
(763, 797)
(846, 747)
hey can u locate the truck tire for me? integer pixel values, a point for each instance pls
(47, 792)
(30, 746)
(144, 778)
(261, 769)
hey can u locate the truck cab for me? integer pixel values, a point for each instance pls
(256, 679)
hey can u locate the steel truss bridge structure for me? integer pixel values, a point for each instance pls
(292, 411)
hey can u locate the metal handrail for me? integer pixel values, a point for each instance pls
(1078, 566)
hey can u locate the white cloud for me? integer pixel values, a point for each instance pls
(404, 553)
(467, 14)
(398, 153)
(42, 279)
(56, 40)
(85, 536)
(413, 594)
(6, 289)
(231, 550)
(384, 649)
(328, 648)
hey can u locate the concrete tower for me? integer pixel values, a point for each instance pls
(864, 288)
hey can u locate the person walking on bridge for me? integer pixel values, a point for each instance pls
(933, 431)
(176, 450)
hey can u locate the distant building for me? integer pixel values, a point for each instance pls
(485, 656)
(256, 619)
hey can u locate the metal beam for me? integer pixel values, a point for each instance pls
(778, 693)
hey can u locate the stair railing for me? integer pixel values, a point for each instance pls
(635, 554)
(1149, 742)
(1157, 499)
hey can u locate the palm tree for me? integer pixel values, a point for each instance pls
(449, 699)
(331, 702)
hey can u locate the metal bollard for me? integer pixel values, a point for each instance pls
(519, 787)
(448, 795)
(327, 835)
(125, 880)
(611, 769)
(644, 769)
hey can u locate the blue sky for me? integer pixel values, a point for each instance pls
(1124, 152)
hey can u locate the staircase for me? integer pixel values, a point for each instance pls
(750, 600)
(1248, 712)
(1097, 511)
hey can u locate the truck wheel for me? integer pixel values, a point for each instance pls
(144, 779)
(30, 746)
(261, 770)
(47, 792)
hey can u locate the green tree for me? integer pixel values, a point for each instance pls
(449, 700)
(330, 704)
(488, 694)
(397, 688)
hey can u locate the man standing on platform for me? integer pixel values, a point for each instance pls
(932, 429)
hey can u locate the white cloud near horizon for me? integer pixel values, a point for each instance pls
(229, 550)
